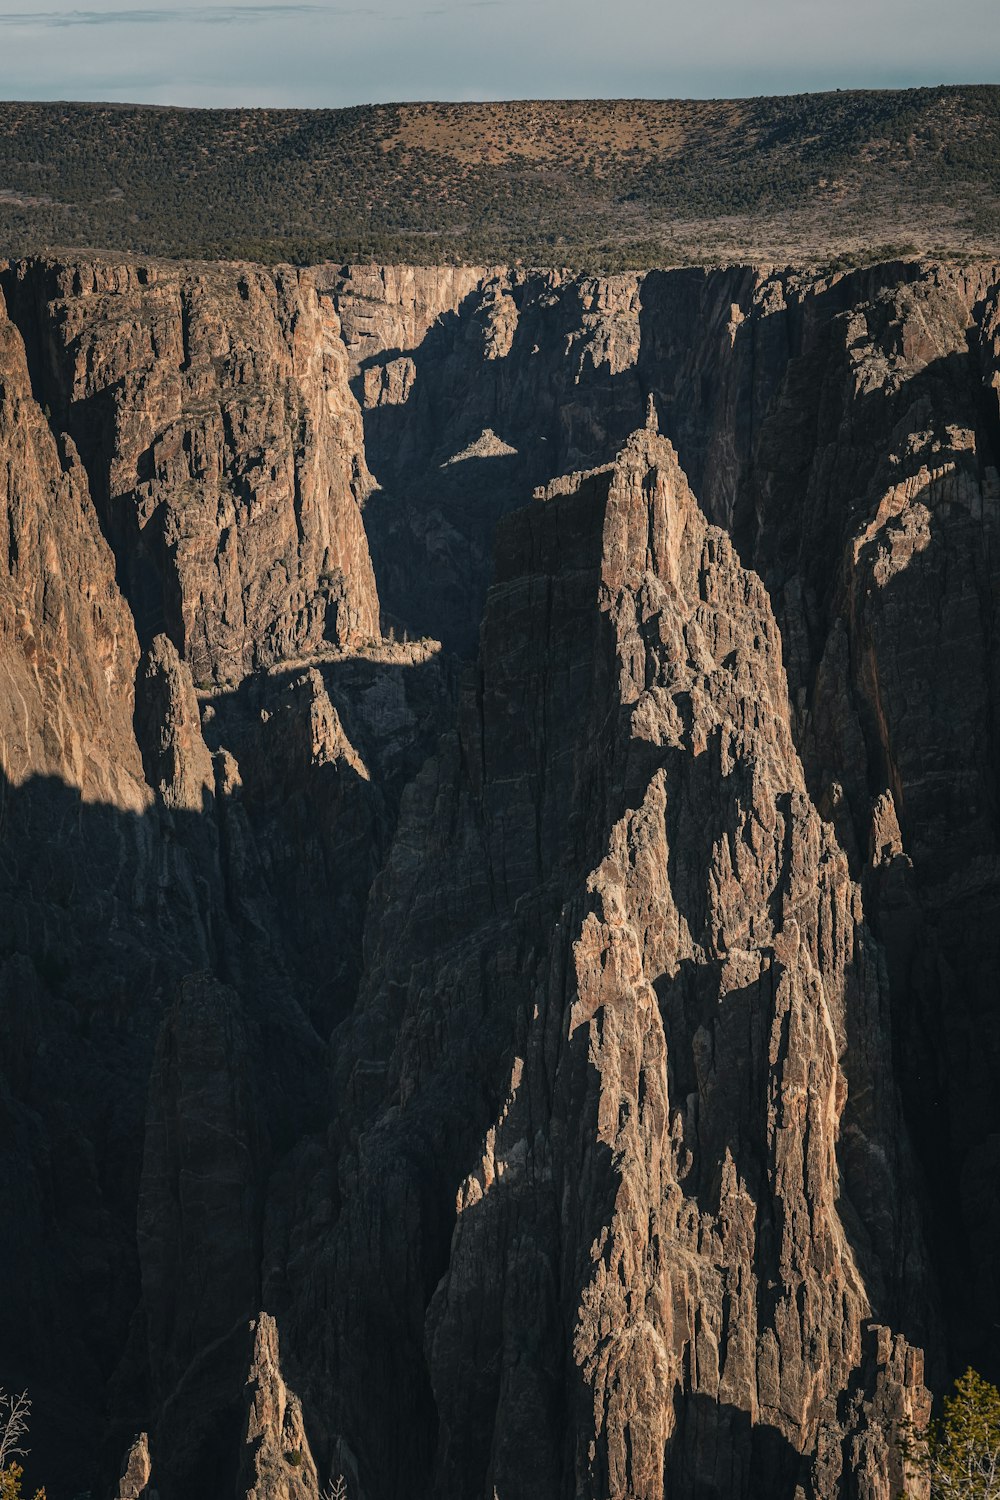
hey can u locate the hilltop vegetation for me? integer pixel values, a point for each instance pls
(604, 184)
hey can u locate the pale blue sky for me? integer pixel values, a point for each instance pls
(358, 51)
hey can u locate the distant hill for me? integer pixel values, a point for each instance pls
(839, 177)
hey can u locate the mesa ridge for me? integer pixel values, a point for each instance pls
(844, 178)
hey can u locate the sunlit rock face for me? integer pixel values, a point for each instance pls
(211, 408)
(499, 877)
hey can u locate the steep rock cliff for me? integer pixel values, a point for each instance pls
(224, 449)
(521, 376)
(583, 1068)
(845, 432)
(153, 975)
(675, 1227)
(69, 654)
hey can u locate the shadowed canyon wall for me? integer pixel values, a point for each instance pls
(499, 865)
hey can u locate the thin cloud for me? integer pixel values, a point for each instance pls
(449, 10)
(218, 15)
(198, 15)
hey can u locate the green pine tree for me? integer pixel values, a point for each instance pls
(960, 1452)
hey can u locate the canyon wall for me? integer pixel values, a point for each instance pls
(500, 875)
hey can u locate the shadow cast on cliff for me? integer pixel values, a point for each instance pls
(932, 725)
(716, 1452)
(543, 393)
(159, 970)
(430, 528)
(85, 430)
(325, 751)
(717, 357)
(915, 683)
(107, 912)
(105, 916)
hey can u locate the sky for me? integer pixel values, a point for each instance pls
(365, 51)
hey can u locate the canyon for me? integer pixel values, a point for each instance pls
(499, 875)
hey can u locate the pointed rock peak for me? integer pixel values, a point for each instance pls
(277, 1461)
(486, 445)
(643, 449)
(647, 446)
(136, 1472)
(885, 837)
(168, 727)
(652, 420)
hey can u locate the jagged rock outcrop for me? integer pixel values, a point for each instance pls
(386, 308)
(223, 445)
(136, 897)
(845, 431)
(168, 726)
(69, 644)
(277, 1462)
(634, 914)
(893, 479)
(68, 655)
(136, 1471)
(584, 1055)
